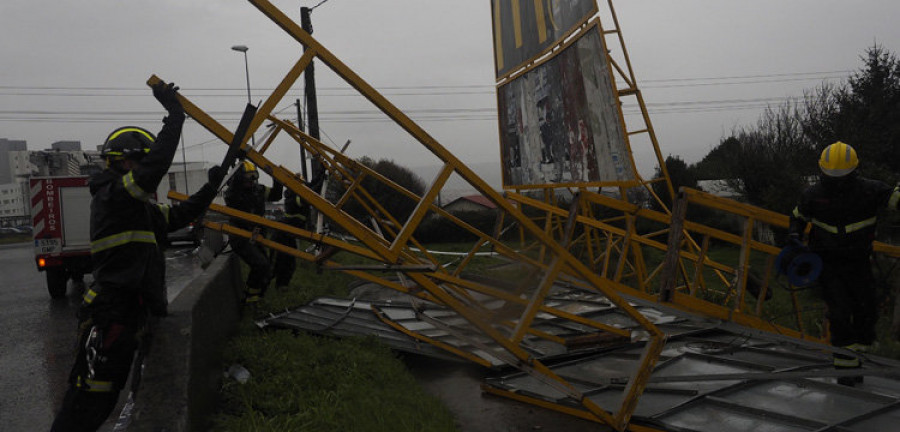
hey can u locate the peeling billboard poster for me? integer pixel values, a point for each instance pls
(560, 122)
(524, 29)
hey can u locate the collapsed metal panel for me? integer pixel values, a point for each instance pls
(341, 317)
(719, 380)
(709, 378)
(416, 326)
(449, 328)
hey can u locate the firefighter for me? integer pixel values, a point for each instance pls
(842, 208)
(244, 193)
(128, 234)
(296, 213)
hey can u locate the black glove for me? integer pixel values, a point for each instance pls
(215, 175)
(167, 95)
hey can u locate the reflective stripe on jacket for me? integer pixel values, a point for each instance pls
(843, 214)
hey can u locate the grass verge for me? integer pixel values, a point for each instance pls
(302, 382)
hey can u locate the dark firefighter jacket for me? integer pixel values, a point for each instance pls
(843, 214)
(128, 232)
(294, 206)
(250, 199)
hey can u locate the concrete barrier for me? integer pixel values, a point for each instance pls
(183, 371)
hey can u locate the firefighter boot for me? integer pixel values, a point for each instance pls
(844, 361)
(252, 296)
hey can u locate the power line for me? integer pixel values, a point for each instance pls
(233, 115)
(422, 90)
(791, 75)
(781, 75)
(424, 115)
(320, 4)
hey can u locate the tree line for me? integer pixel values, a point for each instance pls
(770, 163)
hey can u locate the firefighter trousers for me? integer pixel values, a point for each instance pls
(848, 289)
(255, 257)
(104, 360)
(286, 264)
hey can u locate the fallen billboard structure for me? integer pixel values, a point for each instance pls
(641, 279)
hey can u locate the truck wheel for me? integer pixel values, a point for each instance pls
(56, 282)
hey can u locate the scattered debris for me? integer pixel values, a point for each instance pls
(239, 373)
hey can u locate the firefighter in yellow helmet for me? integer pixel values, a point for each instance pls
(841, 209)
(244, 193)
(128, 234)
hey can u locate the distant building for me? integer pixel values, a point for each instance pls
(66, 158)
(66, 146)
(470, 203)
(13, 208)
(14, 161)
(15, 168)
(719, 188)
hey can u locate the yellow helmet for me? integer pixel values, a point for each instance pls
(248, 170)
(838, 160)
(248, 166)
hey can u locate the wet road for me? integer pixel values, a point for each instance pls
(36, 342)
(37, 336)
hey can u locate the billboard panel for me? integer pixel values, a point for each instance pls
(523, 29)
(561, 123)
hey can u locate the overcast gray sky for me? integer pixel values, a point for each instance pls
(74, 70)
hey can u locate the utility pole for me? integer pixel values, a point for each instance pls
(302, 149)
(312, 107)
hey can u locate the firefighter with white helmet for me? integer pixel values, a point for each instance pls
(842, 209)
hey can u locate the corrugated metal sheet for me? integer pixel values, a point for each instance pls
(341, 318)
(710, 377)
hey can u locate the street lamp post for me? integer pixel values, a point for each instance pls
(244, 49)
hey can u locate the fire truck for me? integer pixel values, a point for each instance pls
(60, 209)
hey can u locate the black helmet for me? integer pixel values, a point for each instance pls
(127, 142)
